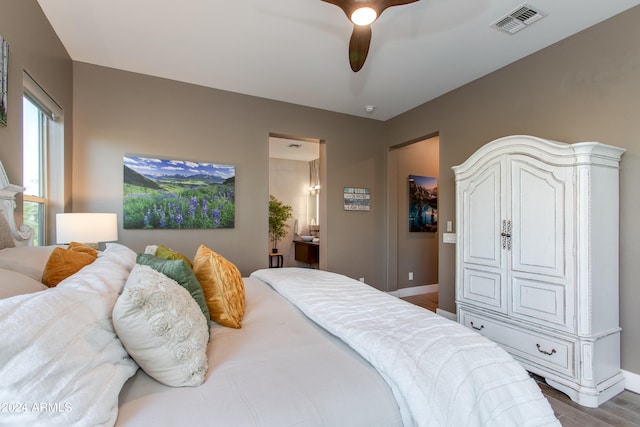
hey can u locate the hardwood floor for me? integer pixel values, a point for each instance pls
(623, 410)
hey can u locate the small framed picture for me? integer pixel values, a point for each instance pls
(4, 73)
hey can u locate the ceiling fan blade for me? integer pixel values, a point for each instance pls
(383, 4)
(359, 46)
(345, 5)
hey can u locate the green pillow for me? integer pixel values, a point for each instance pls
(179, 271)
(168, 253)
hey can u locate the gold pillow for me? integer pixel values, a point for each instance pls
(63, 263)
(223, 287)
(168, 253)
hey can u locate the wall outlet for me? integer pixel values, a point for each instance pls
(411, 275)
(361, 279)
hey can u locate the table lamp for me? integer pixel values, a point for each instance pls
(87, 228)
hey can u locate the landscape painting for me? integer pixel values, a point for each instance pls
(177, 194)
(423, 203)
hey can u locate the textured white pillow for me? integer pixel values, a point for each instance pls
(13, 283)
(162, 328)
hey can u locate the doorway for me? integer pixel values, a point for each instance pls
(412, 267)
(295, 179)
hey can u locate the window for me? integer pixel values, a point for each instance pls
(42, 159)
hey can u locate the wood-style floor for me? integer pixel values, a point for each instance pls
(622, 410)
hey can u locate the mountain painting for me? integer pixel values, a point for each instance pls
(175, 194)
(423, 203)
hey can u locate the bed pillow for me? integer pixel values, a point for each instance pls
(167, 253)
(28, 260)
(59, 346)
(179, 271)
(13, 283)
(222, 285)
(162, 328)
(65, 262)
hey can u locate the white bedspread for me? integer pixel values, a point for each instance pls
(279, 370)
(441, 373)
(61, 363)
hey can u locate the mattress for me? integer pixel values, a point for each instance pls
(279, 369)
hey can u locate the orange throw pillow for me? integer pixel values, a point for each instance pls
(63, 263)
(223, 287)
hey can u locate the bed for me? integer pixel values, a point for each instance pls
(314, 349)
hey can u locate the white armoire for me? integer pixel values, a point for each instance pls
(537, 258)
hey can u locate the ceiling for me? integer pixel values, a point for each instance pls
(296, 50)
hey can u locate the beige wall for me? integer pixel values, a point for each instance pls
(118, 112)
(416, 252)
(584, 88)
(34, 48)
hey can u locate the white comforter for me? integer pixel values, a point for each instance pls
(441, 373)
(61, 363)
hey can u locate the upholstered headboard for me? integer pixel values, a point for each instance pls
(10, 234)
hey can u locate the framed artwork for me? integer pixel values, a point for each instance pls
(423, 203)
(357, 199)
(177, 194)
(4, 74)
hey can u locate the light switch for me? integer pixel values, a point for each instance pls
(449, 227)
(449, 237)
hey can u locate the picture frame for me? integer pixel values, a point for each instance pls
(4, 77)
(161, 193)
(423, 203)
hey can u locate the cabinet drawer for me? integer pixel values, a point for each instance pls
(542, 350)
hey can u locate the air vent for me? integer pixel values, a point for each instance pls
(518, 19)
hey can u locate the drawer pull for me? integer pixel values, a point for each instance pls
(478, 329)
(548, 353)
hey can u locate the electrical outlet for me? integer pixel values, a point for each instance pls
(411, 275)
(361, 279)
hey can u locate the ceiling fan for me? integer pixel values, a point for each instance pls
(363, 13)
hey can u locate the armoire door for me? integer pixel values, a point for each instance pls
(483, 259)
(541, 248)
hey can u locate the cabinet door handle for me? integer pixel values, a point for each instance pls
(506, 234)
(548, 353)
(477, 328)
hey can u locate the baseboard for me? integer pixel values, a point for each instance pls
(448, 315)
(631, 381)
(415, 290)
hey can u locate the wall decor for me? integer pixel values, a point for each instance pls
(4, 75)
(423, 203)
(356, 199)
(177, 194)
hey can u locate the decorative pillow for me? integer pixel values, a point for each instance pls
(181, 273)
(59, 346)
(13, 283)
(166, 253)
(162, 328)
(64, 262)
(222, 285)
(80, 247)
(28, 260)
(6, 239)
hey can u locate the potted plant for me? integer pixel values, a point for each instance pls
(279, 213)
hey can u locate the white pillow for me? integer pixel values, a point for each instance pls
(29, 260)
(162, 328)
(59, 346)
(13, 283)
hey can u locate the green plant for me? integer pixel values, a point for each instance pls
(279, 213)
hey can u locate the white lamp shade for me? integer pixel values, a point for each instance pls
(86, 227)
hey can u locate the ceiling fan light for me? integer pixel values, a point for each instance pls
(364, 16)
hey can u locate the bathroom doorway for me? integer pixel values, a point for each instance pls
(295, 177)
(413, 251)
